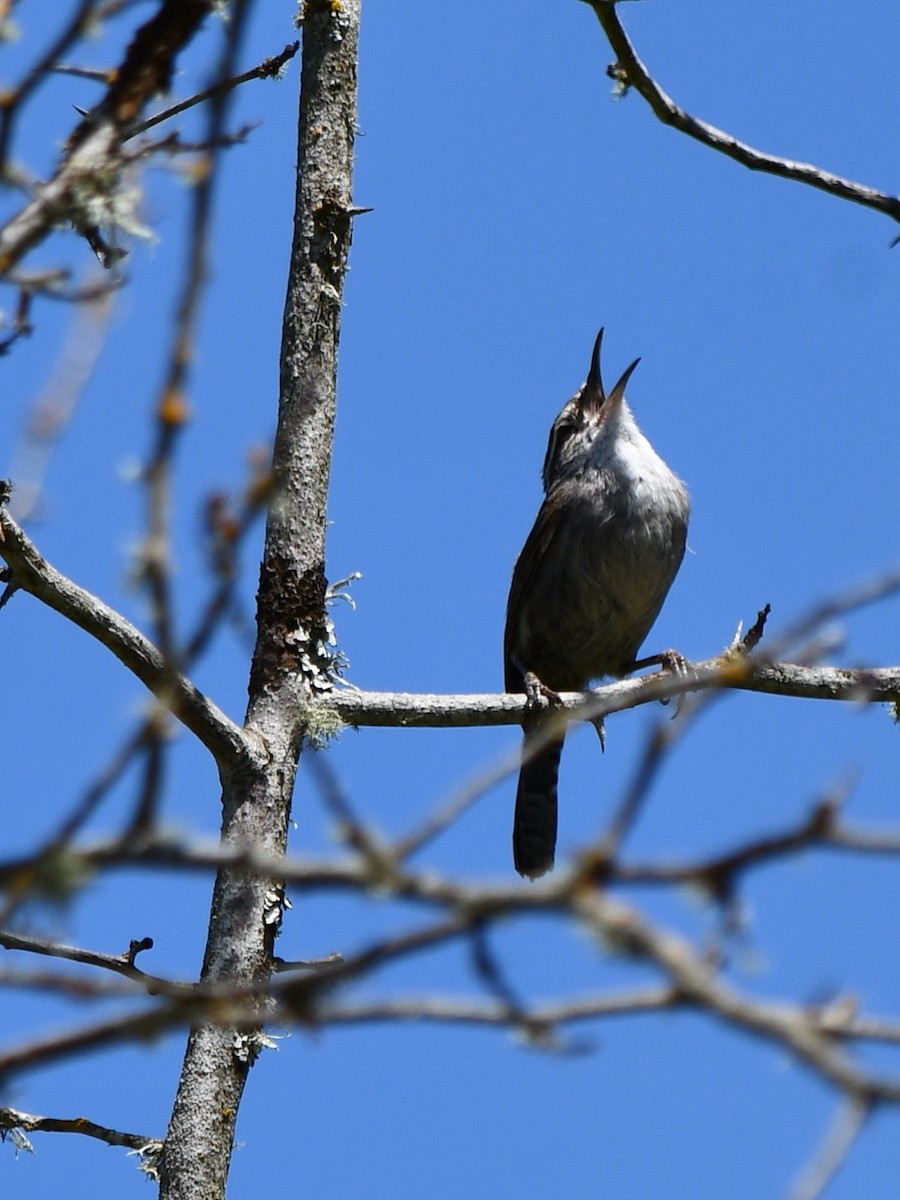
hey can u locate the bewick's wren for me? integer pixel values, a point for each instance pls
(590, 581)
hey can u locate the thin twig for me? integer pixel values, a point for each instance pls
(307, 874)
(851, 1118)
(718, 875)
(119, 964)
(12, 1118)
(37, 74)
(351, 829)
(222, 737)
(635, 73)
(547, 1016)
(172, 404)
(54, 408)
(269, 68)
(690, 978)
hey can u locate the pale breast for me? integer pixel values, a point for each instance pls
(605, 574)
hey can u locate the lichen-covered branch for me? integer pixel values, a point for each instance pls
(90, 163)
(15, 1124)
(427, 710)
(292, 628)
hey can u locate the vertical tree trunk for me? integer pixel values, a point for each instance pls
(287, 664)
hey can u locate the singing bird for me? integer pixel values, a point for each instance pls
(590, 580)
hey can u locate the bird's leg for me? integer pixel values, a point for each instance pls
(537, 693)
(668, 660)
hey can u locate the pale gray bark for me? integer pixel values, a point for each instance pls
(291, 601)
(429, 711)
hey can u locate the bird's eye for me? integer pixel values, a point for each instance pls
(563, 428)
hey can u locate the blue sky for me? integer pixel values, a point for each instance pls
(517, 208)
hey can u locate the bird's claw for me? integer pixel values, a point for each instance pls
(674, 661)
(537, 694)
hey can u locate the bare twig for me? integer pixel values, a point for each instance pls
(97, 74)
(351, 829)
(13, 100)
(303, 874)
(150, 1023)
(462, 799)
(172, 404)
(91, 159)
(50, 285)
(689, 978)
(75, 985)
(11, 1118)
(718, 875)
(547, 1016)
(754, 634)
(699, 984)
(635, 73)
(119, 964)
(429, 711)
(229, 532)
(222, 737)
(851, 1118)
(269, 68)
(21, 323)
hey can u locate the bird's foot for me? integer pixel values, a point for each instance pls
(674, 661)
(538, 695)
(668, 660)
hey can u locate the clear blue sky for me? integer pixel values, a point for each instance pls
(517, 207)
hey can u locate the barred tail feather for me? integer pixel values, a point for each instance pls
(534, 827)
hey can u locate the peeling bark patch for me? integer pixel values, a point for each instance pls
(331, 236)
(292, 609)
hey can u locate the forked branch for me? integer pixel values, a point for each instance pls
(225, 740)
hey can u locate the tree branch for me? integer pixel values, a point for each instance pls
(11, 1119)
(670, 113)
(269, 68)
(839, 1141)
(690, 978)
(820, 830)
(119, 964)
(90, 162)
(289, 664)
(431, 711)
(226, 741)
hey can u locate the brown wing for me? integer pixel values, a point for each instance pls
(545, 529)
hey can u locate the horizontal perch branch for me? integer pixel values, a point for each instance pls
(425, 710)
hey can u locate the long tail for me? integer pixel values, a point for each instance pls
(534, 827)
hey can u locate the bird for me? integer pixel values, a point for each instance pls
(589, 582)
